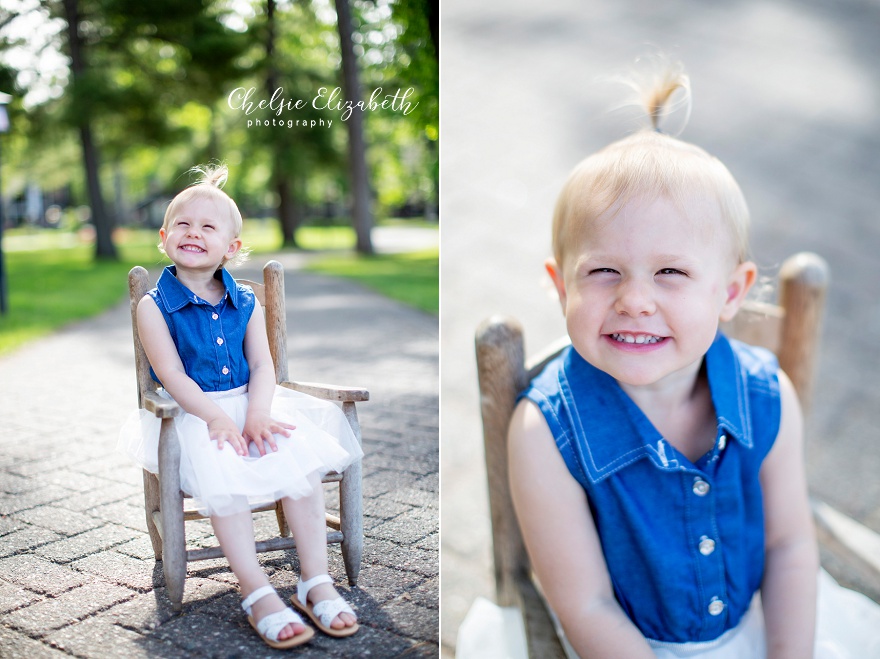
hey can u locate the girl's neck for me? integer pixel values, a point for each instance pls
(202, 283)
(681, 409)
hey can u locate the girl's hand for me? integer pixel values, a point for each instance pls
(223, 429)
(259, 427)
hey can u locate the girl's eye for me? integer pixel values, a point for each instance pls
(209, 226)
(602, 271)
(671, 271)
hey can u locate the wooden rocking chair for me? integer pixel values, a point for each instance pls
(790, 330)
(163, 498)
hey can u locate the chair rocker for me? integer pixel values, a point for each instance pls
(789, 329)
(164, 501)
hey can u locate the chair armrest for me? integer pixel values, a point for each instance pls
(163, 408)
(329, 391)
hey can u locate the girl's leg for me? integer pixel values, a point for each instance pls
(307, 522)
(236, 536)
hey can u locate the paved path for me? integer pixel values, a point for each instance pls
(786, 93)
(77, 575)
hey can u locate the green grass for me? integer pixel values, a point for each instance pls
(265, 236)
(410, 278)
(53, 279)
(50, 288)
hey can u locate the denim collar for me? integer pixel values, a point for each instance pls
(175, 295)
(614, 432)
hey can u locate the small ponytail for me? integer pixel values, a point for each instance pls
(657, 96)
(213, 175)
(655, 84)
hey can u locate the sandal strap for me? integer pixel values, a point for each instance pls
(255, 596)
(271, 625)
(303, 587)
(327, 610)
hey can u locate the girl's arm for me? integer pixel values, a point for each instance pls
(563, 544)
(788, 592)
(259, 425)
(166, 363)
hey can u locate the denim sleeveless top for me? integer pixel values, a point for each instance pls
(209, 338)
(683, 541)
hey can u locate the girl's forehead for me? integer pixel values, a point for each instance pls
(204, 208)
(659, 223)
(198, 206)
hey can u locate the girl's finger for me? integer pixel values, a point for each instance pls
(271, 440)
(282, 428)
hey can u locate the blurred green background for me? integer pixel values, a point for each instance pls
(112, 102)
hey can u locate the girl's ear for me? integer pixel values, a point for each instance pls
(233, 248)
(555, 273)
(737, 286)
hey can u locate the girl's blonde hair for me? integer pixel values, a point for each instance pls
(209, 185)
(647, 165)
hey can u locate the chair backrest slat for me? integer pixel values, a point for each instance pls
(138, 285)
(270, 294)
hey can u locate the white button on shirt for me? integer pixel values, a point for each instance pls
(716, 607)
(701, 487)
(225, 371)
(219, 341)
(707, 546)
(214, 316)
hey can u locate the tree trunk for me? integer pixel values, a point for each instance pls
(288, 215)
(432, 13)
(104, 247)
(357, 150)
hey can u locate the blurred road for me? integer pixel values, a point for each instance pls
(786, 93)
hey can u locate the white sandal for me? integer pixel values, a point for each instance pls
(271, 625)
(323, 613)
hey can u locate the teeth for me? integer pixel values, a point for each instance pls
(633, 338)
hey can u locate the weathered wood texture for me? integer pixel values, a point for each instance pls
(163, 499)
(790, 329)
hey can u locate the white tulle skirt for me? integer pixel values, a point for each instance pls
(847, 627)
(223, 482)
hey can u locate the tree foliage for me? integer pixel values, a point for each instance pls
(155, 87)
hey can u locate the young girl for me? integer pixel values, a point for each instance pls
(244, 440)
(656, 466)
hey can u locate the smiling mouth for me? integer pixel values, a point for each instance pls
(636, 338)
(192, 248)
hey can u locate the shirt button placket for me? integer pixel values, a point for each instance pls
(709, 562)
(222, 356)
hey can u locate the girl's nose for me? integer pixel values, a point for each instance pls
(635, 299)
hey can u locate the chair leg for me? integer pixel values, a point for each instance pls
(151, 505)
(173, 533)
(283, 527)
(351, 506)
